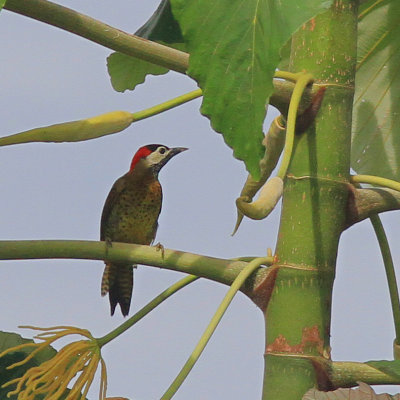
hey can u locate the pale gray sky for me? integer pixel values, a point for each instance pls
(57, 191)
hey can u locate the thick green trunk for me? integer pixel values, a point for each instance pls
(298, 315)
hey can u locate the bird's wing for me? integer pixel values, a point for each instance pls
(112, 197)
(153, 234)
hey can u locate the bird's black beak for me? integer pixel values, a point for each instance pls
(176, 150)
(171, 153)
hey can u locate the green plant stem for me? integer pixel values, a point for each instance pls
(376, 181)
(167, 105)
(101, 33)
(347, 373)
(250, 268)
(217, 269)
(390, 273)
(302, 80)
(146, 309)
(313, 209)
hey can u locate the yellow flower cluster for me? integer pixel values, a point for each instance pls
(52, 377)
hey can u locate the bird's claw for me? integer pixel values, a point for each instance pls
(160, 247)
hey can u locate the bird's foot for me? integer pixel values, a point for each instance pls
(160, 247)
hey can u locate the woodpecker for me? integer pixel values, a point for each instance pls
(130, 215)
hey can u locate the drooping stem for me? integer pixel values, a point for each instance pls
(273, 142)
(390, 273)
(272, 190)
(146, 309)
(376, 181)
(239, 281)
(303, 80)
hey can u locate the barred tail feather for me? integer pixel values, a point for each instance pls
(118, 283)
(105, 280)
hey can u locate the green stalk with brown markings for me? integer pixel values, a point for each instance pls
(298, 315)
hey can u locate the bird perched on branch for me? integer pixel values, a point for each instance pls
(130, 215)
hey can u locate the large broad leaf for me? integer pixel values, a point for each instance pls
(234, 50)
(376, 117)
(127, 72)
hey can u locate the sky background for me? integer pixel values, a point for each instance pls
(57, 191)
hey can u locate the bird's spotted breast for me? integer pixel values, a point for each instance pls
(134, 219)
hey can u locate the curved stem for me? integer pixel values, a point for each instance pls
(288, 76)
(146, 309)
(302, 80)
(376, 181)
(269, 196)
(264, 205)
(387, 261)
(390, 273)
(238, 282)
(274, 141)
(167, 105)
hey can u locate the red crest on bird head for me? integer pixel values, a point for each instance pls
(143, 152)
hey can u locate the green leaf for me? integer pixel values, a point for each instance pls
(127, 72)
(8, 340)
(376, 117)
(234, 50)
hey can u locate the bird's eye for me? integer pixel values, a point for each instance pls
(162, 150)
